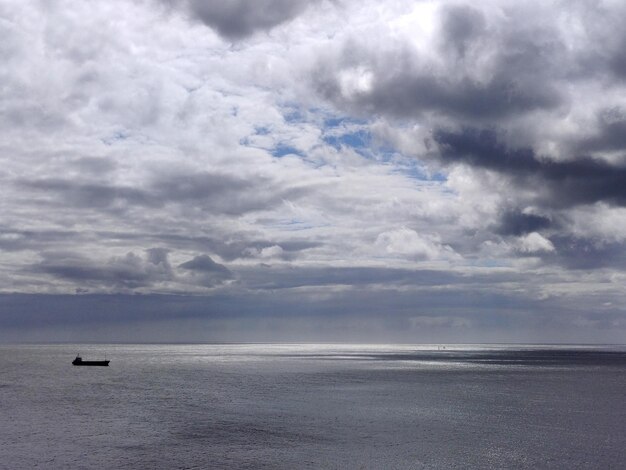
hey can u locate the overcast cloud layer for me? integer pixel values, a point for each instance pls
(313, 170)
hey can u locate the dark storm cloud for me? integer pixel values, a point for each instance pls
(403, 93)
(91, 195)
(618, 61)
(159, 257)
(461, 25)
(204, 263)
(206, 272)
(222, 193)
(199, 186)
(583, 180)
(609, 133)
(611, 48)
(237, 19)
(524, 61)
(517, 223)
(210, 192)
(129, 271)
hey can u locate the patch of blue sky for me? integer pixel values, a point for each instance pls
(283, 149)
(279, 150)
(293, 113)
(335, 121)
(359, 140)
(351, 133)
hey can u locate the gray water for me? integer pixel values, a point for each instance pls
(312, 406)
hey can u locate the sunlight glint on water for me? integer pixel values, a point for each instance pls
(313, 406)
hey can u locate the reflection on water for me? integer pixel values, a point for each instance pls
(313, 406)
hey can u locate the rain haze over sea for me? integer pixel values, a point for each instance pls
(313, 406)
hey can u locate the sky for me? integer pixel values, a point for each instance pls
(313, 170)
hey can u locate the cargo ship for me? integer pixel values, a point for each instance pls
(79, 362)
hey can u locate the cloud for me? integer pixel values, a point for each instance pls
(210, 192)
(238, 19)
(483, 70)
(582, 180)
(461, 25)
(407, 242)
(91, 195)
(502, 87)
(119, 272)
(518, 223)
(608, 134)
(370, 162)
(206, 271)
(204, 263)
(585, 253)
(534, 243)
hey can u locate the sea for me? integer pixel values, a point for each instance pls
(313, 406)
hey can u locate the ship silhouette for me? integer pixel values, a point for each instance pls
(79, 362)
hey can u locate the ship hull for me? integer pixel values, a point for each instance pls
(91, 363)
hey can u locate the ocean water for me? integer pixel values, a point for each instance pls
(313, 406)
